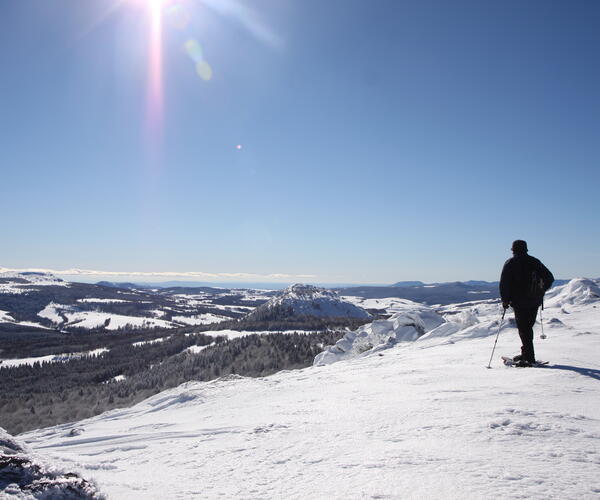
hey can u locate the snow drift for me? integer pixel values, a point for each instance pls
(578, 291)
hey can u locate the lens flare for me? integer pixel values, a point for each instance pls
(194, 50)
(204, 70)
(178, 16)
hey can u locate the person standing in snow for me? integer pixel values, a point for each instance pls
(523, 283)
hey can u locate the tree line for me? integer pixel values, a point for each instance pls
(47, 394)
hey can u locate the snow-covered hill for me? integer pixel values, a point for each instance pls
(306, 300)
(16, 283)
(423, 418)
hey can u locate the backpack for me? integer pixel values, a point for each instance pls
(536, 286)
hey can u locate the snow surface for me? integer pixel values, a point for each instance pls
(389, 304)
(421, 420)
(51, 312)
(236, 334)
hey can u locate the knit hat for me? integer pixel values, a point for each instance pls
(519, 246)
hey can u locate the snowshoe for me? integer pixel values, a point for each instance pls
(521, 363)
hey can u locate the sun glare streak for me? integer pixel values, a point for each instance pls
(155, 72)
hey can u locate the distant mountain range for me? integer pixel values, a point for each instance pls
(433, 293)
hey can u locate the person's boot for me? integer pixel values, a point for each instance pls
(523, 363)
(518, 358)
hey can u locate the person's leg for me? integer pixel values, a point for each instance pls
(525, 318)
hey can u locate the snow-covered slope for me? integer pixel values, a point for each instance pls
(307, 300)
(423, 419)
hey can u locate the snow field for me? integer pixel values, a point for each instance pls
(200, 319)
(95, 319)
(234, 334)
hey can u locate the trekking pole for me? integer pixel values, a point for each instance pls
(496, 341)
(543, 335)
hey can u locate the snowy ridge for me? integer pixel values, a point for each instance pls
(308, 300)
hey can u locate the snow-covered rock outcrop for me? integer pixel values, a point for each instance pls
(404, 326)
(306, 300)
(417, 322)
(578, 291)
(25, 478)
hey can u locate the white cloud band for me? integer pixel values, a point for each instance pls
(164, 274)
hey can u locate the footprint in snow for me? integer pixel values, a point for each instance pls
(504, 423)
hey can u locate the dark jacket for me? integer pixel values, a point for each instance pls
(515, 281)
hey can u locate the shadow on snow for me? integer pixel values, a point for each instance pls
(588, 372)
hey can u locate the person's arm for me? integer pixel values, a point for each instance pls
(505, 285)
(546, 276)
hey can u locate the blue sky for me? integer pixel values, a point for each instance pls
(381, 140)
